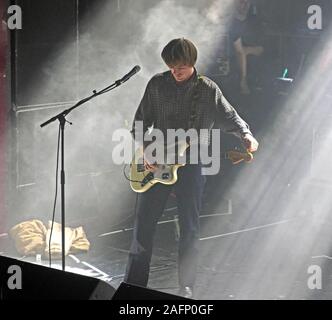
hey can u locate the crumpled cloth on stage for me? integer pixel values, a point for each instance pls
(75, 240)
(32, 237)
(29, 237)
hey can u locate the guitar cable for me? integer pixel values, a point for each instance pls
(125, 175)
(136, 198)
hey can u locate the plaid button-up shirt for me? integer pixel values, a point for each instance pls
(168, 104)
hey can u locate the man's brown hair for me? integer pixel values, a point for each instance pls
(180, 51)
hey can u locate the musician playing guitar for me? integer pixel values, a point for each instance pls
(179, 98)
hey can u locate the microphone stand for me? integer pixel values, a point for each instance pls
(61, 117)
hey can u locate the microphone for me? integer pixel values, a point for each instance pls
(130, 74)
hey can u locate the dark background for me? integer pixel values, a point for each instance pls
(97, 192)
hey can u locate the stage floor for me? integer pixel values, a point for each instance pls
(275, 260)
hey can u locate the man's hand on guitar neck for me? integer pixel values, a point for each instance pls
(250, 143)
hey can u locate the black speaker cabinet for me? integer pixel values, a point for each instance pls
(21, 280)
(128, 291)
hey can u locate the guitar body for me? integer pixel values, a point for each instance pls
(142, 180)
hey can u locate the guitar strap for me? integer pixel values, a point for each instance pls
(193, 115)
(196, 95)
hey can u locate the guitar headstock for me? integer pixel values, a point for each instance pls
(237, 157)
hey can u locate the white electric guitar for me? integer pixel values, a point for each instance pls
(142, 179)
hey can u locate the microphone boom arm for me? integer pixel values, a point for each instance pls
(62, 121)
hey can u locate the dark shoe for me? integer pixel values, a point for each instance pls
(186, 292)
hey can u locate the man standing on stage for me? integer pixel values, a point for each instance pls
(179, 99)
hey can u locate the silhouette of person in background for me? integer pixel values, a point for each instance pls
(243, 43)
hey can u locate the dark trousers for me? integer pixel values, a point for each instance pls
(151, 204)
